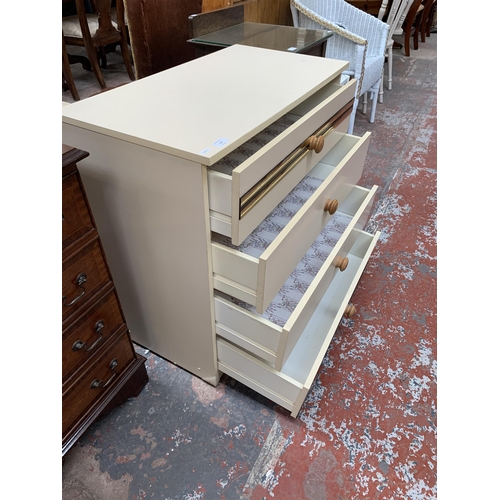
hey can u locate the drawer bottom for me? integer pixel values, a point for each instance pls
(98, 379)
(289, 387)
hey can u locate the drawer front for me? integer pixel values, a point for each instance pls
(257, 375)
(258, 184)
(289, 386)
(96, 381)
(83, 276)
(76, 218)
(246, 175)
(257, 281)
(270, 342)
(86, 337)
(296, 166)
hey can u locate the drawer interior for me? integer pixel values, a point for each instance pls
(255, 270)
(272, 334)
(304, 360)
(242, 153)
(282, 306)
(289, 386)
(244, 271)
(274, 160)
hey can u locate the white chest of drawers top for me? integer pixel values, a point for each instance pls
(214, 146)
(189, 111)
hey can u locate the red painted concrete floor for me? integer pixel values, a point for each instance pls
(368, 427)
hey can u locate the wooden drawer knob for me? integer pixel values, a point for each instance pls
(315, 143)
(331, 206)
(342, 263)
(350, 311)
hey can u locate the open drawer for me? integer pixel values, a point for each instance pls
(289, 386)
(249, 182)
(257, 278)
(273, 335)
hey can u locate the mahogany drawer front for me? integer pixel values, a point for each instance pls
(87, 336)
(270, 341)
(257, 280)
(83, 275)
(96, 381)
(76, 217)
(289, 386)
(231, 190)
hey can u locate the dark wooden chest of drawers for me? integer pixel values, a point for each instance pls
(100, 368)
(370, 6)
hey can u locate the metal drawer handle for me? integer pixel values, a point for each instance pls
(331, 206)
(96, 383)
(81, 345)
(80, 280)
(315, 143)
(341, 263)
(350, 311)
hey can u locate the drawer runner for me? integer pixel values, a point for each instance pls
(256, 193)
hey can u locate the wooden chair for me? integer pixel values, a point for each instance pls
(68, 82)
(427, 16)
(97, 32)
(114, 18)
(411, 25)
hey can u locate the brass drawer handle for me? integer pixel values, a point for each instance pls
(341, 263)
(80, 280)
(315, 143)
(81, 345)
(331, 206)
(350, 311)
(96, 383)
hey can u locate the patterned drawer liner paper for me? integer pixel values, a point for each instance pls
(232, 160)
(297, 283)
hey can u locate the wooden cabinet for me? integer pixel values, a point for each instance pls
(226, 190)
(370, 6)
(100, 368)
(159, 29)
(256, 11)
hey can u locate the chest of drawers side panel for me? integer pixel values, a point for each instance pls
(151, 210)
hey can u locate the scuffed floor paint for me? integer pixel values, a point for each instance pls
(367, 429)
(369, 422)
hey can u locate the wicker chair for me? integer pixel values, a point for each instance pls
(358, 37)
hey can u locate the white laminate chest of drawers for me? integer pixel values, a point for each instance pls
(187, 167)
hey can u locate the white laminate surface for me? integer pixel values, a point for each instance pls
(203, 109)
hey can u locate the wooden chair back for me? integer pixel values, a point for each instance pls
(106, 29)
(106, 34)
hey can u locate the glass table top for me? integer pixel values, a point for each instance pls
(269, 36)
